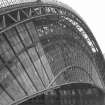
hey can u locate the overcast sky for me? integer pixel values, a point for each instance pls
(93, 12)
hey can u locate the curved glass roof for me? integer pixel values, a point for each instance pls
(5, 3)
(44, 52)
(37, 55)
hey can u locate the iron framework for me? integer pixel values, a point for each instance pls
(31, 23)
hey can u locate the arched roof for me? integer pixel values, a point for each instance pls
(5, 3)
(25, 28)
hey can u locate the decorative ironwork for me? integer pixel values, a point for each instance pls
(38, 41)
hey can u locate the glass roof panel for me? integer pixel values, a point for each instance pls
(5, 3)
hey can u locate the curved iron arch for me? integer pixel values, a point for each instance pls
(71, 15)
(70, 68)
(56, 87)
(66, 13)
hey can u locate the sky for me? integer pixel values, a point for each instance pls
(93, 13)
